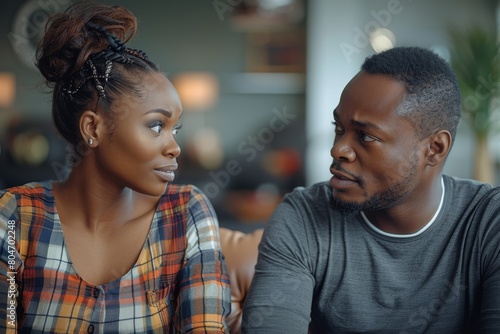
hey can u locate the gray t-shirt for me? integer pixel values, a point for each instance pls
(323, 271)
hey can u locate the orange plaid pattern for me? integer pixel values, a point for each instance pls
(179, 283)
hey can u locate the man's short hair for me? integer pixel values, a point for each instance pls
(433, 100)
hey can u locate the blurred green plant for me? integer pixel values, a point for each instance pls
(475, 58)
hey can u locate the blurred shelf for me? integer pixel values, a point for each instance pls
(263, 83)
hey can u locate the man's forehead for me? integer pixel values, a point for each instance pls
(372, 90)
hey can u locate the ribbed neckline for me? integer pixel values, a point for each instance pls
(422, 230)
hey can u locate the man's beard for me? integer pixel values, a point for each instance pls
(381, 200)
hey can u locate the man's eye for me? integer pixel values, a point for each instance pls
(366, 138)
(338, 128)
(157, 126)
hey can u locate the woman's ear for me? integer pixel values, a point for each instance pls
(91, 125)
(439, 145)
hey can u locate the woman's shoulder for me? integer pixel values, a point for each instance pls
(182, 192)
(37, 189)
(178, 196)
(33, 194)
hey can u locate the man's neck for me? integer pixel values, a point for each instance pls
(412, 215)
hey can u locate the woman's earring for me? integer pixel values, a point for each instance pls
(91, 141)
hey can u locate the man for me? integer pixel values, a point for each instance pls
(389, 244)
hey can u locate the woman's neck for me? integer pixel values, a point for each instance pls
(95, 202)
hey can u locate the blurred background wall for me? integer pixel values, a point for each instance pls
(258, 79)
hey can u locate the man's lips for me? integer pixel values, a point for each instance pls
(343, 181)
(342, 176)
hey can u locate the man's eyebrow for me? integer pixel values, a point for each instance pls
(335, 114)
(361, 124)
(160, 111)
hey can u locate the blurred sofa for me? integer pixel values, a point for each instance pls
(240, 250)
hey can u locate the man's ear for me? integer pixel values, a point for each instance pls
(438, 147)
(91, 127)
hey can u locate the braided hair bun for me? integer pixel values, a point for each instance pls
(84, 59)
(71, 37)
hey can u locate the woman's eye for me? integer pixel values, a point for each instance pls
(157, 126)
(176, 129)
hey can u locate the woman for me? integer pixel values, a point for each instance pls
(114, 248)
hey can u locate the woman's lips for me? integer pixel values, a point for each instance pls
(166, 173)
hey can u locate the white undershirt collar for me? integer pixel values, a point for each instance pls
(376, 229)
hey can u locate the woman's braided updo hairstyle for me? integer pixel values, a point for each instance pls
(83, 57)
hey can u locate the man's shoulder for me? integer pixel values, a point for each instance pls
(473, 200)
(312, 192)
(466, 188)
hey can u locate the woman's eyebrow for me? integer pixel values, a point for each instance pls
(167, 113)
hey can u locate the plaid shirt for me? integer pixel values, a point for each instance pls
(178, 284)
